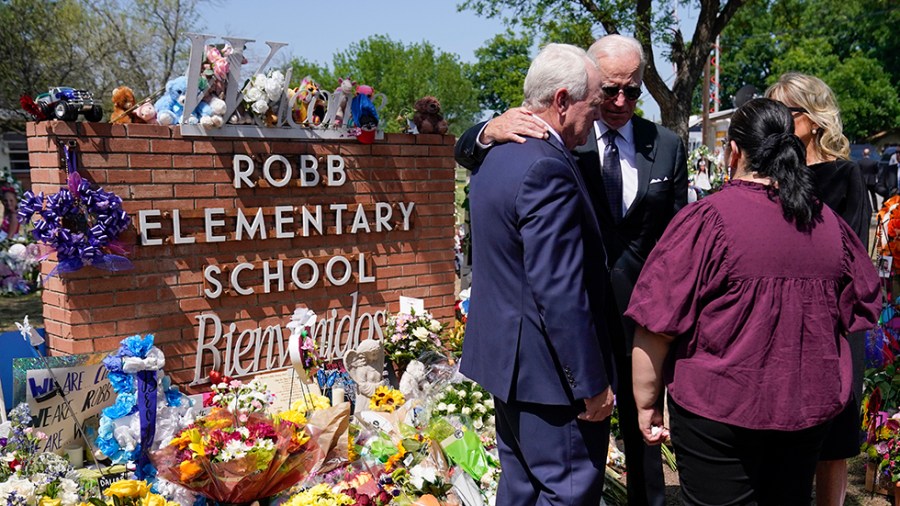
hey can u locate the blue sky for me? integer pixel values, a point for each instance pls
(317, 30)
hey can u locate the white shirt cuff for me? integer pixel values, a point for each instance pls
(478, 142)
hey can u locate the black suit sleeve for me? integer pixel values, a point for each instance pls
(467, 152)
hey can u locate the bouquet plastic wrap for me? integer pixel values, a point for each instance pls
(238, 458)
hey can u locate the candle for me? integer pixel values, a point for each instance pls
(76, 455)
(337, 395)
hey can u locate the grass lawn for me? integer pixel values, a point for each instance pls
(14, 309)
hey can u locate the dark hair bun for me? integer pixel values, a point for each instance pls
(776, 144)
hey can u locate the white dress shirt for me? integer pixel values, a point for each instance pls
(625, 143)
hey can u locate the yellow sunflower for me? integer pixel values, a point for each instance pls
(386, 399)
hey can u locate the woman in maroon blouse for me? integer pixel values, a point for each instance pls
(742, 311)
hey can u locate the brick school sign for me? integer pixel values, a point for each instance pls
(230, 235)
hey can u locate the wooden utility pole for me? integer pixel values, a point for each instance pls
(707, 141)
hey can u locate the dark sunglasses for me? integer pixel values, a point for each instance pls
(630, 92)
(798, 109)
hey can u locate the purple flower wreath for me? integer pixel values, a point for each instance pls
(82, 224)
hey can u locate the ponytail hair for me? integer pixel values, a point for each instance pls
(764, 131)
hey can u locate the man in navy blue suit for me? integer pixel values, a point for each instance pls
(535, 337)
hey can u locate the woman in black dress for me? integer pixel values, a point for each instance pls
(840, 186)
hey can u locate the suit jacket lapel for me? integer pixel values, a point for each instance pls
(588, 160)
(644, 155)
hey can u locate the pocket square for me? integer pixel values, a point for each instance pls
(657, 180)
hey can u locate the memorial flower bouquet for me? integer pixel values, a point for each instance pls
(408, 336)
(238, 454)
(19, 267)
(468, 399)
(27, 474)
(132, 493)
(239, 457)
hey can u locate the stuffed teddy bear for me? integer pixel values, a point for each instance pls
(123, 102)
(428, 118)
(170, 106)
(212, 111)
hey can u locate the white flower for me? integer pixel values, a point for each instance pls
(22, 487)
(274, 85)
(478, 424)
(466, 410)
(259, 81)
(420, 474)
(462, 393)
(17, 251)
(253, 94)
(489, 402)
(260, 106)
(442, 407)
(234, 449)
(480, 408)
(421, 333)
(451, 408)
(69, 492)
(477, 395)
(435, 326)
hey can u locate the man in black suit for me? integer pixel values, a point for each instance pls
(637, 180)
(869, 169)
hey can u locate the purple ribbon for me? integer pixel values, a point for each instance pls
(146, 397)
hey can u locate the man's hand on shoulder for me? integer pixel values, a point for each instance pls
(598, 407)
(513, 126)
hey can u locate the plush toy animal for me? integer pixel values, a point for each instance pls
(170, 106)
(211, 111)
(309, 107)
(363, 110)
(123, 102)
(342, 97)
(428, 118)
(145, 113)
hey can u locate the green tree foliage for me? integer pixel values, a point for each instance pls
(830, 39)
(35, 53)
(404, 73)
(650, 22)
(301, 68)
(500, 70)
(92, 44)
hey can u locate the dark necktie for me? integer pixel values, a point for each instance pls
(612, 175)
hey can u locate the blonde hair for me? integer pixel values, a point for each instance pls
(811, 93)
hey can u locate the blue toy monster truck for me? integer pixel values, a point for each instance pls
(64, 104)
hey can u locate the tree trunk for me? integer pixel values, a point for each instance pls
(676, 114)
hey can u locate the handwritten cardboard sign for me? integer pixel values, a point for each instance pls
(82, 378)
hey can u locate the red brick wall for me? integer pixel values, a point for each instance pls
(153, 167)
